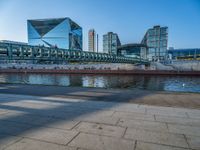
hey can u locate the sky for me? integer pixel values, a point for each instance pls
(130, 19)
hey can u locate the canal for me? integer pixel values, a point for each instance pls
(159, 83)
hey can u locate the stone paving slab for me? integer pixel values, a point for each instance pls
(13, 128)
(156, 137)
(166, 112)
(61, 123)
(25, 118)
(134, 108)
(30, 144)
(29, 105)
(194, 114)
(151, 146)
(2, 111)
(98, 119)
(187, 130)
(142, 124)
(51, 135)
(130, 115)
(96, 142)
(178, 120)
(194, 142)
(6, 140)
(100, 129)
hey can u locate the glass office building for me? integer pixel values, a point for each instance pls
(60, 32)
(110, 43)
(156, 40)
(133, 50)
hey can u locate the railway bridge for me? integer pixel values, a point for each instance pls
(10, 51)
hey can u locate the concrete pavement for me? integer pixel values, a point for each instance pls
(37, 123)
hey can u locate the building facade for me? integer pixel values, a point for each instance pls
(59, 32)
(110, 43)
(184, 54)
(13, 42)
(92, 40)
(156, 39)
(133, 50)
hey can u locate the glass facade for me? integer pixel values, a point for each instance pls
(61, 33)
(184, 54)
(156, 40)
(110, 43)
(133, 50)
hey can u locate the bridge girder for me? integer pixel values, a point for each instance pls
(27, 52)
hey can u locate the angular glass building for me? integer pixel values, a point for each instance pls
(60, 32)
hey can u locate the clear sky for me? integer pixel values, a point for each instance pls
(129, 18)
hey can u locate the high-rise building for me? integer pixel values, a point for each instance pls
(92, 40)
(156, 40)
(110, 43)
(59, 32)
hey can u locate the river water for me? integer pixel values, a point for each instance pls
(160, 83)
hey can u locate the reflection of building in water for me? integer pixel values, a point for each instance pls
(93, 81)
(142, 82)
(49, 79)
(154, 82)
(75, 80)
(119, 81)
(62, 80)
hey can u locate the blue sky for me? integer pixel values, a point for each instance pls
(129, 18)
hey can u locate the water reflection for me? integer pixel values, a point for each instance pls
(163, 83)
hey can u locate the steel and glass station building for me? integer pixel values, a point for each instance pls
(184, 54)
(59, 32)
(133, 50)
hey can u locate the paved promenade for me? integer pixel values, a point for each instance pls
(39, 123)
(137, 96)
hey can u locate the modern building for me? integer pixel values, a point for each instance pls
(13, 42)
(92, 40)
(133, 50)
(184, 54)
(59, 32)
(156, 39)
(110, 43)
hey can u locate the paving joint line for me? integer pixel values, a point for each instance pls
(34, 139)
(77, 124)
(123, 136)
(108, 136)
(21, 138)
(186, 140)
(135, 145)
(72, 139)
(173, 146)
(154, 116)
